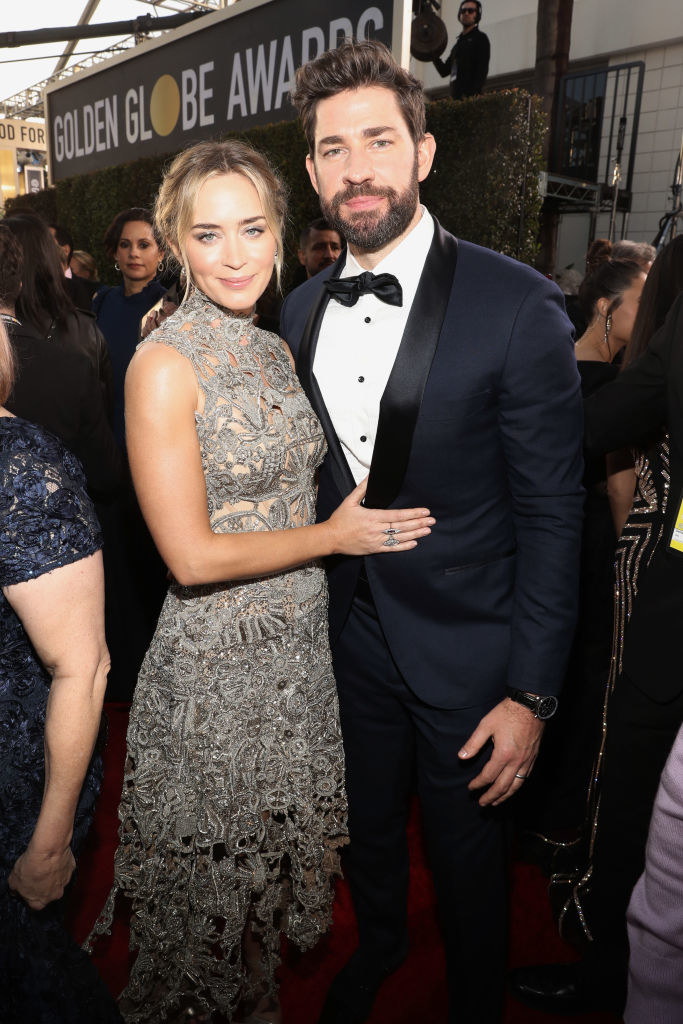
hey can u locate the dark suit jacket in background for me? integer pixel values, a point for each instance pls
(481, 423)
(644, 398)
(81, 292)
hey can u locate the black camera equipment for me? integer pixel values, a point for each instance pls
(428, 34)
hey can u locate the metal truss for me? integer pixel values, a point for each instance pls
(29, 102)
(569, 190)
(180, 6)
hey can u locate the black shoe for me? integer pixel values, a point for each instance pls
(559, 988)
(353, 991)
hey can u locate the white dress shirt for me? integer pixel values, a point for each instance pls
(357, 347)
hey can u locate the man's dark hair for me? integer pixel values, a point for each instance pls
(11, 268)
(113, 233)
(43, 296)
(476, 4)
(63, 237)
(356, 65)
(319, 224)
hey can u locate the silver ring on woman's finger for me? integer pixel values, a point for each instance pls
(391, 542)
(390, 532)
(518, 776)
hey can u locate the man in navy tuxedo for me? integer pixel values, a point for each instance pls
(447, 372)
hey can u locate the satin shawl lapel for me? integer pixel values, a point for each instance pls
(402, 398)
(304, 368)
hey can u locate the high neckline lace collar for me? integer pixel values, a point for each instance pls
(198, 300)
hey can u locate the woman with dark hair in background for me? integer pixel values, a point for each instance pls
(638, 726)
(131, 242)
(53, 670)
(609, 296)
(665, 281)
(63, 379)
(601, 249)
(134, 574)
(599, 252)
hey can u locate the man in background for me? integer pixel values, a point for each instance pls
(468, 62)
(319, 246)
(79, 291)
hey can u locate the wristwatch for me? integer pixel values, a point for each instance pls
(543, 707)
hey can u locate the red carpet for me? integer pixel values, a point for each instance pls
(414, 995)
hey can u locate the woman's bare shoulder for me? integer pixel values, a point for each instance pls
(162, 366)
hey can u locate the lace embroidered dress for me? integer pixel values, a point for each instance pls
(46, 522)
(233, 806)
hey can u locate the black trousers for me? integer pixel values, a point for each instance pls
(393, 741)
(640, 734)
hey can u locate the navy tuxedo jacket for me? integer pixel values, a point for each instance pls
(481, 422)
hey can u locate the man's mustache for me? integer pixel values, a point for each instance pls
(355, 191)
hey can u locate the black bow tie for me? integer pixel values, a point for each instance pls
(348, 290)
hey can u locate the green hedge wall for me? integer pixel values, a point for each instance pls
(488, 160)
(486, 170)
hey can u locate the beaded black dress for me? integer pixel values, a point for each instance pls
(233, 805)
(46, 522)
(636, 547)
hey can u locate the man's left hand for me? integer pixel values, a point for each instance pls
(516, 735)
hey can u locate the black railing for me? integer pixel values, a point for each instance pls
(597, 125)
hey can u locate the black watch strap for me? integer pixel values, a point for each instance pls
(543, 706)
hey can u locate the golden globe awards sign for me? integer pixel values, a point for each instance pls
(229, 71)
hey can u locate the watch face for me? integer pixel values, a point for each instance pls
(546, 707)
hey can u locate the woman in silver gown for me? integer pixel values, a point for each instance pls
(233, 806)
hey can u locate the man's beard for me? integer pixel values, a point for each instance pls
(369, 231)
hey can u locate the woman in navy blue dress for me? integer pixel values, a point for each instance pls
(53, 668)
(135, 575)
(133, 246)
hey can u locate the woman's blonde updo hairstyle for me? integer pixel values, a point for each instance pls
(174, 207)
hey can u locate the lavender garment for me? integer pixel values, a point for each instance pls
(655, 914)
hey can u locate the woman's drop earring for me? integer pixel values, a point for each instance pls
(608, 328)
